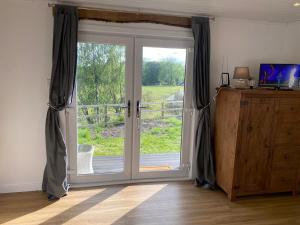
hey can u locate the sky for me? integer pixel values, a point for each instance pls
(159, 54)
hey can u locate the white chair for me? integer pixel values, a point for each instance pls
(85, 159)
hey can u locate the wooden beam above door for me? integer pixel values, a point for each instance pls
(131, 17)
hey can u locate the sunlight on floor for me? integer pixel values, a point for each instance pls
(105, 205)
(119, 204)
(56, 208)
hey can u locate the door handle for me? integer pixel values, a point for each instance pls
(128, 108)
(138, 109)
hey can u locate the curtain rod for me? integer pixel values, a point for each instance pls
(52, 5)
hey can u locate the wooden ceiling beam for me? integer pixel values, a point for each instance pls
(133, 17)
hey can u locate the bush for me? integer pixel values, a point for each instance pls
(84, 136)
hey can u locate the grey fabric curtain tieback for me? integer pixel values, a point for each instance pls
(52, 107)
(58, 108)
(205, 107)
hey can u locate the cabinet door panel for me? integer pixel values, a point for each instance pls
(254, 148)
(284, 168)
(286, 147)
(288, 121)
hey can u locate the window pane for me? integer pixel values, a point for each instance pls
(100, 116)
(162, 107)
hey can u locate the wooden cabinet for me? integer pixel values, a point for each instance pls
(257, 141)
(298, 181)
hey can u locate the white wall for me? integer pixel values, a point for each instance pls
(293, 42)
(25, 65)
(245, 43)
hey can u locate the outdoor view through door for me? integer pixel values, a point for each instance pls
(162, 105)
(100, 104)
(129, 118)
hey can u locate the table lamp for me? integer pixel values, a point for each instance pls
(241, 77)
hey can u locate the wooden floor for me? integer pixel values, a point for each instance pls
(178, 203)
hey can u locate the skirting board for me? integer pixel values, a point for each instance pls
(124, 182)
(37, 186)
(21, 187)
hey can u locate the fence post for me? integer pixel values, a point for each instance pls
(162, 110)
(105, 116)
(98, 115)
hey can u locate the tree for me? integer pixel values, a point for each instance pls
(100, 76)
(150, 73)
(171, 72)
(166, 72)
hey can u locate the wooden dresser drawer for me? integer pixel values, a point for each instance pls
(282, 180)
(288, 116)
(284, 168)
(285, 158)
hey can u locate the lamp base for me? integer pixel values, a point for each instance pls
(240, 83)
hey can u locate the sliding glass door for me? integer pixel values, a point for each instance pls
(130, 110)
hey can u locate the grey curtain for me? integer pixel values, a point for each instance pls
(64, 59)
(203, 145)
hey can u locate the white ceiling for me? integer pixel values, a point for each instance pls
(268, 10)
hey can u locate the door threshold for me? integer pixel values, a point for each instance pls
(120, 182)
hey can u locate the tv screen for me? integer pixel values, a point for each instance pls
(279, 75)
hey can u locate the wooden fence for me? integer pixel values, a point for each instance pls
(106, 114)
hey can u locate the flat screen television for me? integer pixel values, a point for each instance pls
(279, 75)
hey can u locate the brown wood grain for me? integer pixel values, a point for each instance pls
(267, 147)
(254, 152)
(133, 17)
(226, 122)
(297, 189)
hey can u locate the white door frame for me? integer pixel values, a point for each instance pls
(133, 42)
(183, 171)
(72, 114)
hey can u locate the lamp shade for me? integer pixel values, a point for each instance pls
(241, 73)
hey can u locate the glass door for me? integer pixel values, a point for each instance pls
(130, 117)
(160, 101)
(103, 109)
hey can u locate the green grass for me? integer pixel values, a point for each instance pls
(156, 140)
(159, 92)
(162, 140)
(104, 146)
